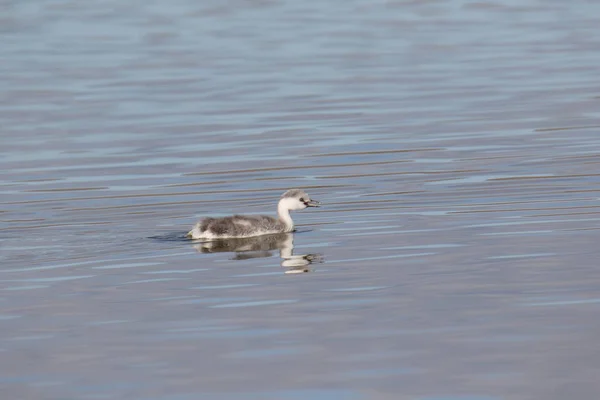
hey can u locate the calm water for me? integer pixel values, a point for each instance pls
(455, 146)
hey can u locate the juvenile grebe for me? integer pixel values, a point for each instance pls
(241, 226)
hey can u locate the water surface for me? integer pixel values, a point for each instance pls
(455, 148)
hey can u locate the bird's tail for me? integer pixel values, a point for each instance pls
(195, 233)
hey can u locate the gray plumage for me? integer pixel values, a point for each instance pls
(241, 226)
(298, 193)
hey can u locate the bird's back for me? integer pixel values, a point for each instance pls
(239, 226)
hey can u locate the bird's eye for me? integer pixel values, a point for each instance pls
(302, 199)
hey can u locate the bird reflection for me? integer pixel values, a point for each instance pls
(262, 246)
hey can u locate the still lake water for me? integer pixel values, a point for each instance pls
(455, 146)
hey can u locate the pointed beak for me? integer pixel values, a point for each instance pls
(312, 203)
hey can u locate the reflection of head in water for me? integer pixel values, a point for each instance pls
(261, 246)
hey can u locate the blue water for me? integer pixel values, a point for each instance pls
(454, 146)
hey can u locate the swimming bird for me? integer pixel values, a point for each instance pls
(241, 226)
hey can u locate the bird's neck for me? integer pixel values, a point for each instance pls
(284, 216)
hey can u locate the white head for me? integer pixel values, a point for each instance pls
(296, 199)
